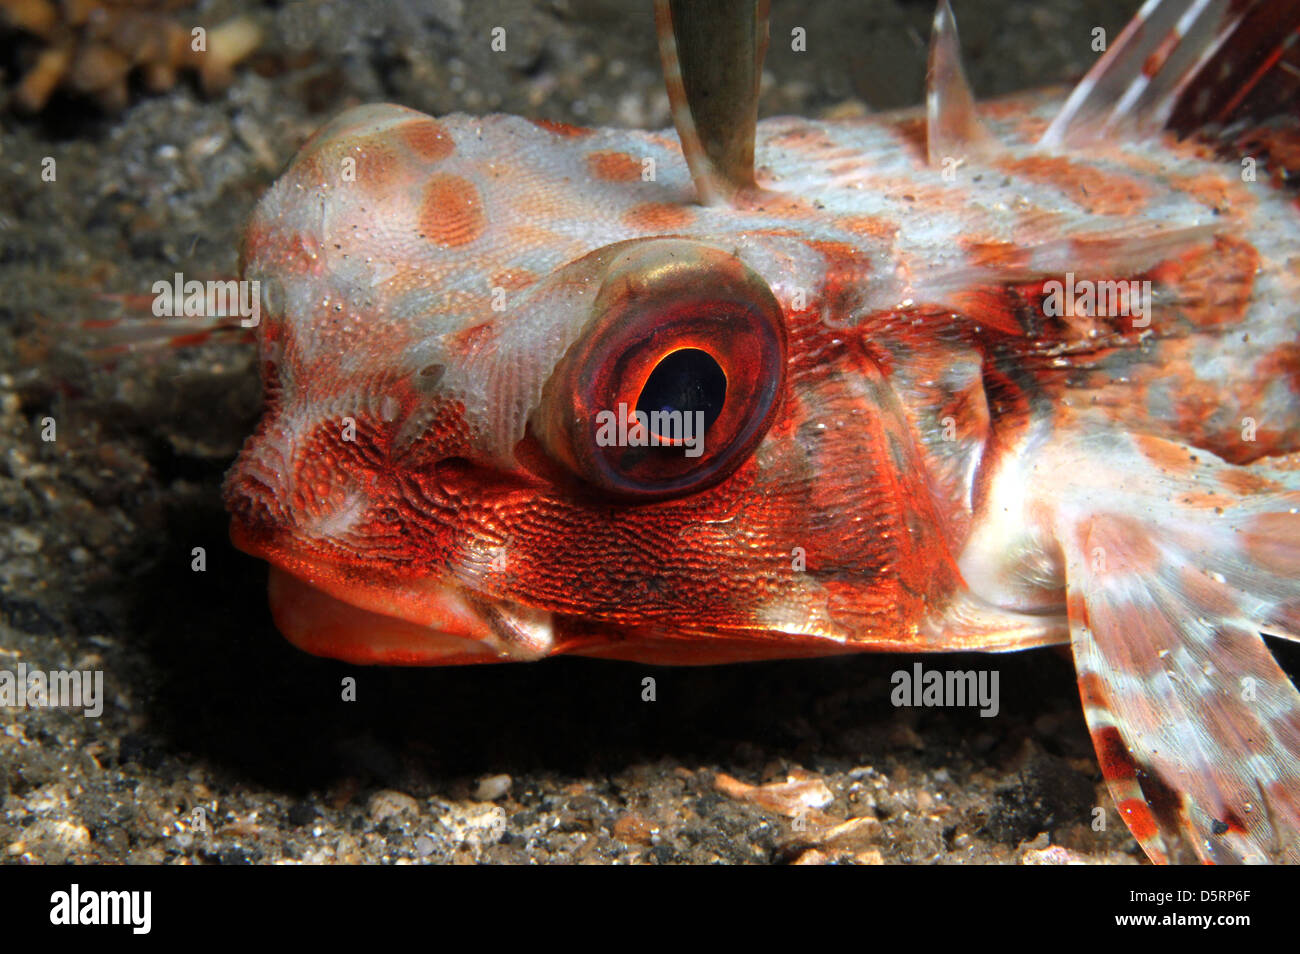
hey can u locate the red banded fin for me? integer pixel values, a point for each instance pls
(1196, 726)
(1253, 71)
(953, 131)
(1184, 65)
(712, 55)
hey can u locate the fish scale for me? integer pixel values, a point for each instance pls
(917, 447)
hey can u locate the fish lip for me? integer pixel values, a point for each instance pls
(503, 630)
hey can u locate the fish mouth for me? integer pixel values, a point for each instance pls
(358, 616)
(339, 611)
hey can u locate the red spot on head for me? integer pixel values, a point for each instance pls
(293, 252)
(613, 166)
(658, 216)
(427, 139)
(451, 213)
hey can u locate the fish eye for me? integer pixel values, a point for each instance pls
(675, 379)
(687, 381)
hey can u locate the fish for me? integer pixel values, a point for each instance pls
(966, 377)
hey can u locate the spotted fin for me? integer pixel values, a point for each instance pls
(1184, 65)
(712, 56)
(953, 131)
(1196, 726)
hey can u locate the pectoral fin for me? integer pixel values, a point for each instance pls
(1196, 726)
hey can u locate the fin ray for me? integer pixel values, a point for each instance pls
(712, 55)
(1196, 725)
(1183, 65)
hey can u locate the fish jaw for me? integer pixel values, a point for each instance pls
(324, 625)
(333, 612)
(333, 609)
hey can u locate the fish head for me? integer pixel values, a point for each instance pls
(506, 417)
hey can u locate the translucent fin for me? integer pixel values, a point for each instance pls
(953, 131)
(994, 293)
(130, 326)
(712, 56)
(105, 337)
(1172, 572)
(1184, 64)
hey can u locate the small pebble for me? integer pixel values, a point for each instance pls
(492, 787)
(633, 829)
(389, 804)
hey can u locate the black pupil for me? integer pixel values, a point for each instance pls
(687, 381)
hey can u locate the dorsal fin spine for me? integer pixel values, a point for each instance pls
(953, 131)
(712, 54)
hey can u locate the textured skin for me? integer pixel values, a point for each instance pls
(948, 467)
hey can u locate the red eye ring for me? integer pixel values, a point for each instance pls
(708, 315)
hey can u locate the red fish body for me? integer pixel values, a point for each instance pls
(965, 379)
